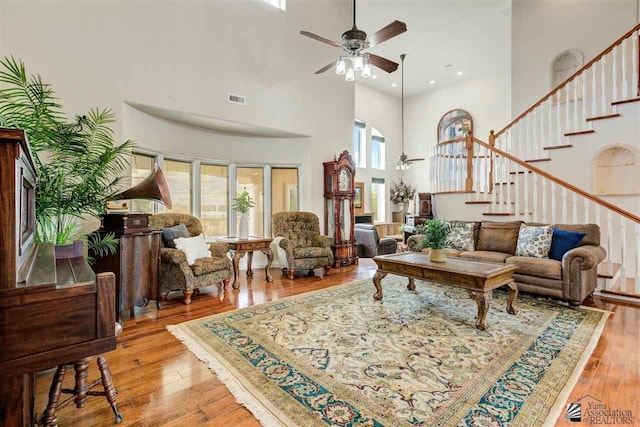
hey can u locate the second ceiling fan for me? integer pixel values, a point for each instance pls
(354, 43)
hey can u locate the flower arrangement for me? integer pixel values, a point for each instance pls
(402, 193)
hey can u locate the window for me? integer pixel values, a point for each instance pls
(281, 4)
(378, 199)
(141, 168)
(214, 204)
(377, 149)
(284, 189)
(359, 151)
(178, 175)
(253, 180)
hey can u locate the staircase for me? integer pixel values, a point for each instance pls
(506, 177)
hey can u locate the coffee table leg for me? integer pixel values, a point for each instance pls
(511, 299)
(482, 299)
(411, 286)
(269, 255)
(377, 281)
(236, 269)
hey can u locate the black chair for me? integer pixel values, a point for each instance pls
(372, 244)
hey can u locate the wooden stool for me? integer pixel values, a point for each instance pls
(81, 389)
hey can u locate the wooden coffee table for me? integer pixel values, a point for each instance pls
(479, 278)
(239, 247)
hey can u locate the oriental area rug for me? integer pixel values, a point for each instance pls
(337, 357)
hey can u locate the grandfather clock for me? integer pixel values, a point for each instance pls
(339, 216)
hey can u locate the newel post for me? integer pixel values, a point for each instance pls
(469, 145)
(492, 143)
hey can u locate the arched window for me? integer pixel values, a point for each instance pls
(616, 170)
(454, 124)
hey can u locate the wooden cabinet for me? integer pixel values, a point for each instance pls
(136, 265)
(339, 217)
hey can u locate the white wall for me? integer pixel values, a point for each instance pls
(186, 56)
(486, 99)
(541, 29)
(382, 112)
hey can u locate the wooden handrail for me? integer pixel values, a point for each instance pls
(451, 141)
(560, 182)
(573, 76)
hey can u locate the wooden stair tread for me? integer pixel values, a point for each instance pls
(520, 172)
(625, 101)
(504, 213)
(628, 292)
(503, 183)
(453, 192)
(580, 132)
(607, 271)
(557, 147)
(478, 202)
(547, 159)
(607, 116)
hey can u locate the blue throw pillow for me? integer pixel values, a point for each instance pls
(169, 234)
(562, 242)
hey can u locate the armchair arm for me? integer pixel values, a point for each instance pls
(288, 247)
(218, 249)
(586, 257)
(172, 256)
(322, 241)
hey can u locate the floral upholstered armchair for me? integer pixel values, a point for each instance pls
(298, 233)
(176, 274)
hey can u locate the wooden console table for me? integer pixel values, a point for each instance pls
(239, 247)
(479, 278)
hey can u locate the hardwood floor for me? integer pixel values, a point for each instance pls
(160, 383)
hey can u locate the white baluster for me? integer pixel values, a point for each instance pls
(637, 249)
(634, 65)
(623, 254)
(603, 95)
(527, 139)
(516, 180)
(550, 119)
(586, 211)
(583, 80)
(534, 201)
(544, 201)
(623, 66)
(574, 200)
(463, 167)
(541, 136)
(553, 199)
(594, 97)
(575, 82)
(609, 235)
(502, 183)
(508, 185)
(567, 124)
(614, 75)
(558, 121)
(494, 174)
(525, 184)
(564, 205)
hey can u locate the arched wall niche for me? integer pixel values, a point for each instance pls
(616, 170)
(562, 67)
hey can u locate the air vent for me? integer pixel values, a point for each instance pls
(236, 99)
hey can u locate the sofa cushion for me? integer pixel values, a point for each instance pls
(534, 241)
(498, 236)
(491, 256)
(461, 236)
(562, 242)
(540, 267)
(209, 265)
(309, 252)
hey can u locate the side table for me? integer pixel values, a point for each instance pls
(239, 247)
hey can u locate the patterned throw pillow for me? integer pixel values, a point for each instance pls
(461, 236)
(534, 241)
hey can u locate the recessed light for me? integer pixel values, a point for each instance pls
(459, 73)
(394, 84)
(432, 82)
(374, 77)
(448, 66)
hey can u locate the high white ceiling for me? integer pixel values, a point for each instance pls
(473, 36)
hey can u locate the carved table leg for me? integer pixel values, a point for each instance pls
(511, 299)
(187, 297)
(49, 416)
(109, 390)
(267, 269)
(81, 387)
(412, 285)
(377, 281)
(236, 269)
(482, 299)
(249, 262)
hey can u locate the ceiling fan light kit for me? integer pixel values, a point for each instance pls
(354, 43)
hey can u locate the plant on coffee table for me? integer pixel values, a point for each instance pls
(434, 236)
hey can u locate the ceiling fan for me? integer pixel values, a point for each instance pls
(404, 161)
(354, 43)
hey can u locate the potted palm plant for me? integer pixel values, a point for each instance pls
(242, 204)
(434, 236)
(78, 165)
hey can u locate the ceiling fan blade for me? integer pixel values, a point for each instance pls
(320, 38)
(325, 68)
(382, 63)
(415, 160)
(390, 31)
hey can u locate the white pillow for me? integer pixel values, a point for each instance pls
(193, 248)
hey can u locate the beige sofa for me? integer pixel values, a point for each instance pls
(572, 279)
